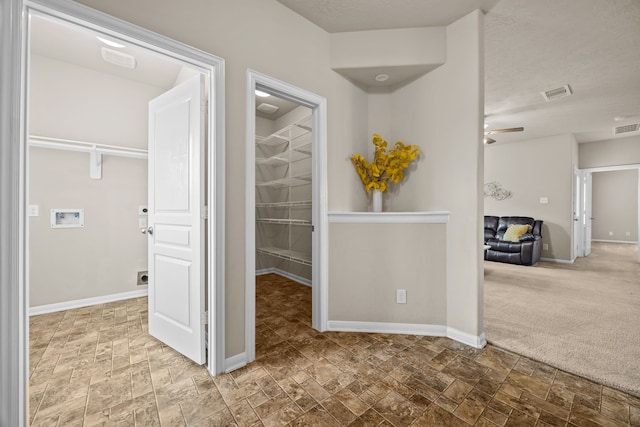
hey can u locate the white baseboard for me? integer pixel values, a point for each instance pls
(68, 305)
(628, 242)
(474, 341)
(286, 274)
(235, 362)
(558, 261)
(409, 329)
(387, 328)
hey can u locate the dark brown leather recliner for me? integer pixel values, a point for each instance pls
(525, 252)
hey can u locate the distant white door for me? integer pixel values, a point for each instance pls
(176, 265)
(577, 225)
(588, 212)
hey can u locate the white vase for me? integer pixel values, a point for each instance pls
(376, 201)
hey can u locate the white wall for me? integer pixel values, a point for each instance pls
(530, 170)
(606, 192)
(440, 112)
(102, 258)
(610, 152)
(615, 205)
(389, 48)
(267, 37)
(363, 284)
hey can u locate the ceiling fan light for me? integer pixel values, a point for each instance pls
(262, 94)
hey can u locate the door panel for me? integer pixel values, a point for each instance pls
(577, 225)
(176, 264)
(588, 212)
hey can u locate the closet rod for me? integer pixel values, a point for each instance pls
(86, 147)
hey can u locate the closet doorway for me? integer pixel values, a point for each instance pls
(286, 215)
(93, 140)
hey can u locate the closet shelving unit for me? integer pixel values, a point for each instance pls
(283, 189)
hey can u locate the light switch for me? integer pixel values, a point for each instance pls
(544, 200)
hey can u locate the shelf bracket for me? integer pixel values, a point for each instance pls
(95, 164)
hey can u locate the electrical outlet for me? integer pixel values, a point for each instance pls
(401, 296)
(545, 246)
(628, 233)
(34, 210)
(611, 233)
(544, 200)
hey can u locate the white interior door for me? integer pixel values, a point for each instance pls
(577, 225)
(176, 201)
(588, 212)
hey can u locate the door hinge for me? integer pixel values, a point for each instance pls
(205, 212)
(313, 228)
(205, 318)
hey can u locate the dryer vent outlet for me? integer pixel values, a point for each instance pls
(143, 278)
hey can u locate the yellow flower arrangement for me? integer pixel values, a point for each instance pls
(386, 166)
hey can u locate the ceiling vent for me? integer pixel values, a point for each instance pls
(120, 59)
(560, 92)
(267, 108)
(626, 128)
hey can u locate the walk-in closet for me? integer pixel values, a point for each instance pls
(283, 193)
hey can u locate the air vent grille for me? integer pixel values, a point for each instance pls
(267, 108)
(557, 93)
(626, 128)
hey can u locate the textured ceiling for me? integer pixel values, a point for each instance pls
(533, 46)
(530, 47)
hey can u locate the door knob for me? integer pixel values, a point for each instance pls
(150, 230)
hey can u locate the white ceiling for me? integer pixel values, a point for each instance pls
(530, 47)
(73, 44)
(76, 45)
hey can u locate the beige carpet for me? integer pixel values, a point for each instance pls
(583, 318)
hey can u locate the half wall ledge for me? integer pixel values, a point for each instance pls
(430, 217)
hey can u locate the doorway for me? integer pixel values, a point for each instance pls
(318, 224)
(584, 183)
(15, 344)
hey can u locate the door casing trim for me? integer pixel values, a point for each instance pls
(320, 249)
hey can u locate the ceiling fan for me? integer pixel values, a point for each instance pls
(489, 140)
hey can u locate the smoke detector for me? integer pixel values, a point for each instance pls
(267, 108)
(120, 59)
(560, 92)
(626, 128)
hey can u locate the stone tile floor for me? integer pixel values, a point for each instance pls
(97, 366)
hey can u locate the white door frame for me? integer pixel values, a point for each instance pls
(320, 249)
(14, 300)
(609, 169)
